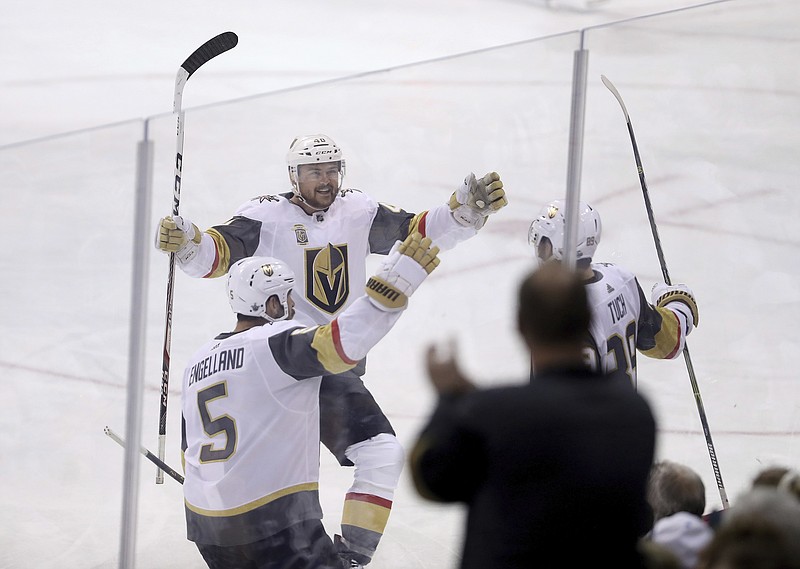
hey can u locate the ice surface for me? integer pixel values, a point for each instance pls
(715, 108)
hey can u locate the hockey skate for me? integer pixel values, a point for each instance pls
(350, 559)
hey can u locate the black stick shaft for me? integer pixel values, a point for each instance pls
(689, 367)
(150, 456)
(209, 50)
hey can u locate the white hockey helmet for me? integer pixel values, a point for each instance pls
(552, 224)
(254, 280)
(312, 149)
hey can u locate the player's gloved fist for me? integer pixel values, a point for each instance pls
(178, 235)
(421, 250)
(477, 198)
(677, 297)
(403, 270)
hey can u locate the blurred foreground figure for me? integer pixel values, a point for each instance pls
(251, 416)
(623, 321)
(553, 471)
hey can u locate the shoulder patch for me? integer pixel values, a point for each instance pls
(300, 234)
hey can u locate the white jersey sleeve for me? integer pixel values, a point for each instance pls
(443, 229)
(202, 263)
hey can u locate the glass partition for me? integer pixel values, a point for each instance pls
(67, 210)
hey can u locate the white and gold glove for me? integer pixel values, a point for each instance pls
(476, 199)
(677, 297)
(405, 267)
(180, 236)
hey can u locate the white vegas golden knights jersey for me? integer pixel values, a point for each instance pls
(327, 250)
(623, 321)
(235, 400)
(251, 422)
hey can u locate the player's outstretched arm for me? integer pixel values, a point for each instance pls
(663, 327)
(176, 234)
(478, 198)
(339, 345)
(370, 317)
(401, 273)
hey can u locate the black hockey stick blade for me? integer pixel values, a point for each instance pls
(209, 50)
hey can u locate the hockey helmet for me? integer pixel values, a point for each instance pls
(254, 280)
(312, 149)
(552, 224)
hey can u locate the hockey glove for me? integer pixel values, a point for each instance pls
(405, 267)
(677, 297)
(179, 236)
(475, 199)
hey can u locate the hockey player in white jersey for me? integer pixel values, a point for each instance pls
(325, 233)
(250, 411)
(623, 321)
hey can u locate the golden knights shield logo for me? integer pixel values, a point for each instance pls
(327, 277)
(300, 234)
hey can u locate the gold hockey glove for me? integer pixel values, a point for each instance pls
(677, 297)
(407, 265)
(180, 236)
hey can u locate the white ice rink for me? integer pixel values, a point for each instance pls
(715, 101)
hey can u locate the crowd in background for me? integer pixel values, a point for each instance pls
(760, 531)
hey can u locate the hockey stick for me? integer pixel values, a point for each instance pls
(153, 458)
(689, 367)
(207, 51)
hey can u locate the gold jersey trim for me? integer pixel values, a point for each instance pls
(365, 515)
(223, 259)
(417, 224)
(324, 342)
(668, 337)
(306, 487)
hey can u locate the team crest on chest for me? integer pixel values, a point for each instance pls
(327, 277)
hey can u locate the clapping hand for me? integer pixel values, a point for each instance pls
(443, 371)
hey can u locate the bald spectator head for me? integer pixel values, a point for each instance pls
(553, 315)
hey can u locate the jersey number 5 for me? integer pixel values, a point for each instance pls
(223, 424)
